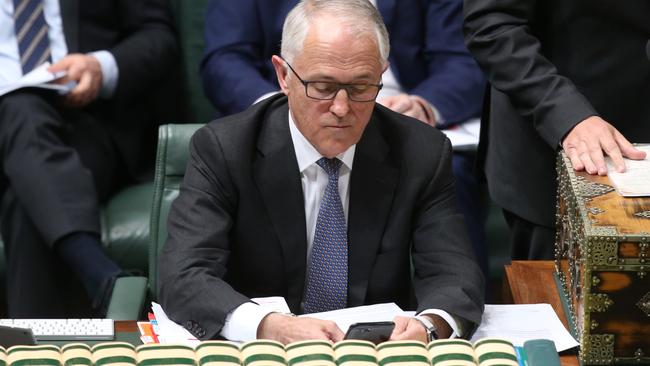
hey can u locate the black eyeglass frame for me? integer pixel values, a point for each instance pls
(339, 86)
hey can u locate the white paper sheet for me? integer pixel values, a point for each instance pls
(520, 323)
(170, 332)
(464, 136)
(635, 181)
(38, 77)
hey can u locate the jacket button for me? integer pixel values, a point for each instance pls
(189, 324)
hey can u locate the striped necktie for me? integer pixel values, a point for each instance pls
(327, 276)
(31, 33)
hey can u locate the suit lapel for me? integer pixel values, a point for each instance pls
(70, 18)
(277, 177)
(372, 188)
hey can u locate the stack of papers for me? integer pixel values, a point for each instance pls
(516, 323)
(521, 323)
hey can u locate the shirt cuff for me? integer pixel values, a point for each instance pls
(437, 115)
(110, 73)
(450, 319)
(242, 323)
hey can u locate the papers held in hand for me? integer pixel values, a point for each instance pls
(39, 78)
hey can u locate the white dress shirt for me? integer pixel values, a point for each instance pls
(10, 68)
(242, 323)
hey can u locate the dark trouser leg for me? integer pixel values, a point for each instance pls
(470, 204)
(38, 282)
(51, 160)
(529, 240)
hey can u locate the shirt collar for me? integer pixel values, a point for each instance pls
(306, 153)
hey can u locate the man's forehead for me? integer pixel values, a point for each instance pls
(340, 48)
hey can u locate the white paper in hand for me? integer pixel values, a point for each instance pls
(39, 78)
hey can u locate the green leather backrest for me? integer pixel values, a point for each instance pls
(171, 159)
(189, 17)
(125, 221)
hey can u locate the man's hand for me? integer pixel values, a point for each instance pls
(410, 105)
(408, 328)
(86, 71)
(585, 144)
(287, 329)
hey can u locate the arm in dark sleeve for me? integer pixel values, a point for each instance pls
(147, 49)
(455, 83)
(446, 275)
(498, 34)
(193, 262)
(232, 66)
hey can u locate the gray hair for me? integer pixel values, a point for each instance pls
(361, 15)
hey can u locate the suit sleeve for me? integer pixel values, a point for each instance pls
(234, 54)
(147, 48)
(455, 83)
(446, 274)
(498, 33)
(193, 262)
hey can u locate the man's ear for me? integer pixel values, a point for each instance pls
(386, 65)
(281, 73)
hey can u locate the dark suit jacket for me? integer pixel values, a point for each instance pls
(551, 64)
(237, 229)
(427, 54)
(140, 36)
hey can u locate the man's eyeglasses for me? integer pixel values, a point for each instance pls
(327, 90)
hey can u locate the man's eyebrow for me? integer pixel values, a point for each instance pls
(363, 78)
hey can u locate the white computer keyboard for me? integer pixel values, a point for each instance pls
(65, 329)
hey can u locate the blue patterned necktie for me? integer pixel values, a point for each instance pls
(327, 277)
(31, 33)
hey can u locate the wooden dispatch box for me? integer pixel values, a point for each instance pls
(603, 269)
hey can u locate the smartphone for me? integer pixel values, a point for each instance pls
(375, 332)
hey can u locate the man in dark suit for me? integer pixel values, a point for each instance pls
(63, 155)
(568, 74)
(321, 197)
(431, 77)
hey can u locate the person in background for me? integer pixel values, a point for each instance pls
(62, 155)
(431, 76)
(322, 196)
(563, 74)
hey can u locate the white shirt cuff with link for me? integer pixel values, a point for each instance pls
(242, 323)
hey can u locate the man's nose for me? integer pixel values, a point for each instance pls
(341, 103)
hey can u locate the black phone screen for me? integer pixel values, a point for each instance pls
(375, 332)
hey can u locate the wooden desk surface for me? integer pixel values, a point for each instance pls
(125, 326)
(532, 282)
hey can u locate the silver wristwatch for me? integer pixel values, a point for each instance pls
(432, 331)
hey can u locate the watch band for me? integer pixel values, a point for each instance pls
(428, 325)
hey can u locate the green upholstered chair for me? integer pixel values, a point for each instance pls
(171, 159)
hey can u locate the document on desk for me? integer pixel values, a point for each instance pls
(635, 182)
(367, 313)
(520, 323)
